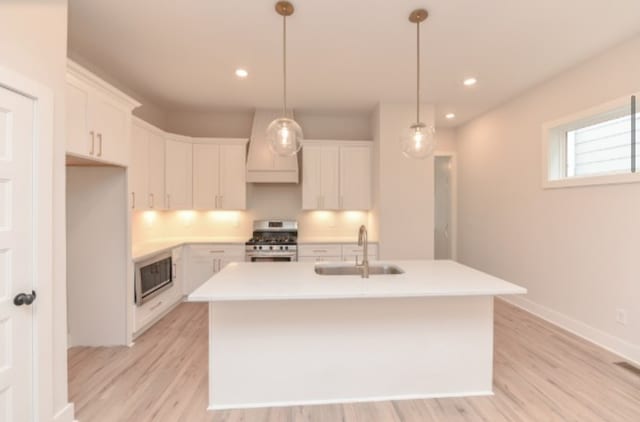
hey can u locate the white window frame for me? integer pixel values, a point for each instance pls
(554, 156)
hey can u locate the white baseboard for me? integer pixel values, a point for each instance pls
(624, 349)
(346, 400)
(65, 414)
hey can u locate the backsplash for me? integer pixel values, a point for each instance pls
(264, 201)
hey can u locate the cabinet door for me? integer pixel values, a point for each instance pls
(223, 262)
(139, 169)
(330, 168)
(206, 179)
(79, 140)
(201, 268)
(355, 177)
(233, 186)
(311, 177)
(156, 172)
(179, 176)
(110, 124)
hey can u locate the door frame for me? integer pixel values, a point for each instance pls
(43, 101)
(454, 199)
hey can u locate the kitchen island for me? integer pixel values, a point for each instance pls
(282, 335)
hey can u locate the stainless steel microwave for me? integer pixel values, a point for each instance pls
(152, 277)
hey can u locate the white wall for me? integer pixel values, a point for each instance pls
(33, 42)
(403, 188)
(334, 124)
(96, 240)
(575, 249)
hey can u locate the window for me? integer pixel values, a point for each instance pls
(594, 147)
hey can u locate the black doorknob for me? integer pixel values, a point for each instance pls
(24, 298)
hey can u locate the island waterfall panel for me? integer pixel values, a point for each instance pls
(290, 352)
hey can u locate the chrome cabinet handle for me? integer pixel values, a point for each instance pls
(220, 201)
(318, 201)
(341, 201)
(216, 251)
(93, 142)
(133, 200)
(151, 200)
(99, 144)
(216, 205)
(169, 201)
(320, 250)
(175, 271)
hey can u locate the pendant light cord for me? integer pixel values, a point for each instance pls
(418, 75)
(284, 65)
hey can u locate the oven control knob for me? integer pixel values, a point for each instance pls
(286, 248)
(259, 247)
(270, 247)
(255, 247)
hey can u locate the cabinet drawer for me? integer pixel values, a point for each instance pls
(318, 258)
(319, 250)
(146, 313)
(215, 250)
(352, 249)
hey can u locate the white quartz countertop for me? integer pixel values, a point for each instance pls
(247, 281)
(144, 250)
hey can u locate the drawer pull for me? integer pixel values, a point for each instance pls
(320, 250)
(216, 251)
(156, 306)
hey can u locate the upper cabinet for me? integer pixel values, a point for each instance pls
(147, 169)
(336, 175)
(219, 174)
(179, 173)
(98, 118)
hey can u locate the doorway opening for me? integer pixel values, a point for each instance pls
(445, 207)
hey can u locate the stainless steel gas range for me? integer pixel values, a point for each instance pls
(273, 240)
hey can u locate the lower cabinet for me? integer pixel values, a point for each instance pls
(322, 252)
(149, 312)
(203, 261)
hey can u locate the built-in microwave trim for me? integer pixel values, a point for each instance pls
(140, 299)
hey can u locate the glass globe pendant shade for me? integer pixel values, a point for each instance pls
(284, 136)
(418, 141)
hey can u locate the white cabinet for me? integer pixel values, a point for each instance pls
(98, 118)
(203, 261)
(219, 175)
(320, 252)
(352, 251)
(147, 178)
(336, 175)
(179, 177)
(355, 177)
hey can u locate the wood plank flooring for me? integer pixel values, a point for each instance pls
(541, 373)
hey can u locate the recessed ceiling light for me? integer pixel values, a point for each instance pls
(470, 81)
(242, 73)
(450, 116)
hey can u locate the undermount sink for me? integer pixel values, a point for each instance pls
(374, 269)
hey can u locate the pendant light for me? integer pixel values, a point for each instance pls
(418, 141)
(284, 134)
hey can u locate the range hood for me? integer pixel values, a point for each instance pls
(263, 165)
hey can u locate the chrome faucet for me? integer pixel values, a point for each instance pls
(363, 241)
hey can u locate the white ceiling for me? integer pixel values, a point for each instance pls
(344, 54)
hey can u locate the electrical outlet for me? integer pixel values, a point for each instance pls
(621, 316)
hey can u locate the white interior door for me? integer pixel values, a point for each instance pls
(17, 257)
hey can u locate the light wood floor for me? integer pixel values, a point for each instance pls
(541, 374)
